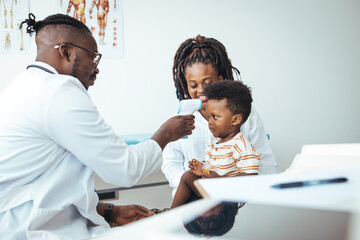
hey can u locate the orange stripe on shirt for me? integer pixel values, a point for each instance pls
(226, 147)
(219, 156)
(227, 166)
(245, 157)
(243, 140)
(253, 148)
(237, 148)
(254, 167)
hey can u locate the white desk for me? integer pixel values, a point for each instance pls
(253, 222)
(257, 189)
(322, 212)
(160, 224)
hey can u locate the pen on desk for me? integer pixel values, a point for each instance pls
(309, 183)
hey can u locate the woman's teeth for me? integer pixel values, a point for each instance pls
(203, 98)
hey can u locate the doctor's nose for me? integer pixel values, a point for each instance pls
(96, 70)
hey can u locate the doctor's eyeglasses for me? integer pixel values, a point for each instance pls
(95, 55)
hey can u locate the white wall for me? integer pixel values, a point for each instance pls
(301, 59)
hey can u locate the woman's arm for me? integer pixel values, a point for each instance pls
(253, 129)
(173, 163)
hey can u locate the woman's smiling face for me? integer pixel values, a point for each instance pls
(198, 75)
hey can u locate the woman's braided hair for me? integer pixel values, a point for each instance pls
(202, 50)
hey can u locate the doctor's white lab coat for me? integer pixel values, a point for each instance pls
(52, 140)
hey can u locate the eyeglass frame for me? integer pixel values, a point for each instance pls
(96, 55)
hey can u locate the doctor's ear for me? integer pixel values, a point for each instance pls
(65, 51)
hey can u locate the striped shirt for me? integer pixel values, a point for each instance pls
(232, 157)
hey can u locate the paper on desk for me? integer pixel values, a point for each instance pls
(257, 189)
(342, 149)
(303, 163)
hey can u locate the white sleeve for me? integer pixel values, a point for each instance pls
(73, 122)
(173, 163)
(253, 129)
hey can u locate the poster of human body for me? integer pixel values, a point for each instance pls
(13, 40)
(103, 17)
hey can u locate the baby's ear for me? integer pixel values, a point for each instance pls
(236, 119)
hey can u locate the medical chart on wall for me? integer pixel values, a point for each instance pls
(13, 40)
(103, 17)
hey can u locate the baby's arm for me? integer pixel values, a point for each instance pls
(198, 168)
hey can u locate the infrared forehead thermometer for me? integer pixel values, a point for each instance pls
(189, 106)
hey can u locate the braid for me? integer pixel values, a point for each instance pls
(52, 20)
(203, 50)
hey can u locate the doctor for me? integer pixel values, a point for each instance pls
(53, 140)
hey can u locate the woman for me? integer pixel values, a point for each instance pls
(198, 62)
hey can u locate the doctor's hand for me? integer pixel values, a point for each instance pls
(125, 214)
(173, 129)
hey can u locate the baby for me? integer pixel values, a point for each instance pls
(231, 154)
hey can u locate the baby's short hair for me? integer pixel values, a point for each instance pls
(236, 93)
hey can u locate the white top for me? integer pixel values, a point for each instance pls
(52, 140)
(232, 157)
(176, 155)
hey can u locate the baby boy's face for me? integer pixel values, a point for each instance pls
(220, 119)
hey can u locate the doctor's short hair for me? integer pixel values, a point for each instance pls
(55, 20)
(236, 93)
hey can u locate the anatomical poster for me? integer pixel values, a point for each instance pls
(103, 17)
(13, 40)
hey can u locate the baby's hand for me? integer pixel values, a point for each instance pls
(196, 167)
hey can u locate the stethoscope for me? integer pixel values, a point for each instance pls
(40, 67)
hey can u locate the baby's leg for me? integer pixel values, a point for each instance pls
(185, 190)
